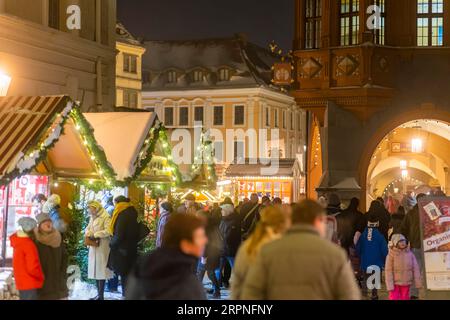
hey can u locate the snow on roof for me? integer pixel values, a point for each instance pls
(122, 135)
(123, 35)
(249, 64)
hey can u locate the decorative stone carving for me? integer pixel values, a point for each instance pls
(347, 65)
(310, 68)
(383, 64)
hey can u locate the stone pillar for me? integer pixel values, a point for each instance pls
(98, 21)
(45, 12)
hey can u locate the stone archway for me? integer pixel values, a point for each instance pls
(424, 112)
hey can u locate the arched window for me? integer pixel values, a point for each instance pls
(349, 22)
(430, 23)
(313, 20)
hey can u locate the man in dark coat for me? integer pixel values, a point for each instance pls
(348, 222)
(124, 242)
(169, 272)
(231, 236)
(249, 216)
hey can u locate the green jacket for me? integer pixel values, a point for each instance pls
(301, 266)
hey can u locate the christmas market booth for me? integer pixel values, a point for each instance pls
(137, 147)
(254, 176)
(202, 180)
(43, 140)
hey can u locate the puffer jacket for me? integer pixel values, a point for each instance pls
(402, 269)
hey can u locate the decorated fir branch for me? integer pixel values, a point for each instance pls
(156, 134)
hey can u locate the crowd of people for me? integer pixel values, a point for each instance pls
(40, 259)
(264, 249)
(260, 249)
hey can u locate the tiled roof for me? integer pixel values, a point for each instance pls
(248, 64)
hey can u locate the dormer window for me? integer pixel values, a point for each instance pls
(198, 76)
(224, 74)
(172, 77)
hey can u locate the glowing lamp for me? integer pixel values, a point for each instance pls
(5, 81)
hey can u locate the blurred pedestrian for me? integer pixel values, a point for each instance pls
(189, 206)
(230, 232)
(272, 225)
(410, 228)
(302, 265)
(277, 202)
(98, 237)
(124, 228)
(214, 251)
(27, 268)
(169, 272)
(165, 211)
(52, 207)
(249, 215)
(348, 222)
(372, 249)
(53, 258)
(402, 269)
(396, 221)
(383, 217)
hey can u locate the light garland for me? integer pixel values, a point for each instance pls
(204, 156)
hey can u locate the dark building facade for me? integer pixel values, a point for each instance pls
(361, 73)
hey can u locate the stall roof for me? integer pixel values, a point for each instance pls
(122, 136)
(22, 121)
(253, 168)
(44, 130)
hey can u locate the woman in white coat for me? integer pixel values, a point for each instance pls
(97, 237)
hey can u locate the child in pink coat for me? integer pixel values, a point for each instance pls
(402, 269)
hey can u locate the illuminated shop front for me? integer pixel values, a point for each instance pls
(288, 183)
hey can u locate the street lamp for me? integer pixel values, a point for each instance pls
(5, 81)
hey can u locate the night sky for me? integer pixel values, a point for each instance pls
(262, 20)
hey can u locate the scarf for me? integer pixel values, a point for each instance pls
(120, 207)
(52, 239)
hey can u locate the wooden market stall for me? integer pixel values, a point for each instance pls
(139, 152)
(42, 139)
(287, 182)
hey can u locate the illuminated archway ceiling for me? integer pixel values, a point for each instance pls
(439, 128)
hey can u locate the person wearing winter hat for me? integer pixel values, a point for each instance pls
(231, 234)
(26, 265)
(52, 207)
(402, 269)
(372, 249)
(97, 239)
(53, 257)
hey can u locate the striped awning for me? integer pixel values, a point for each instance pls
(23, 120)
